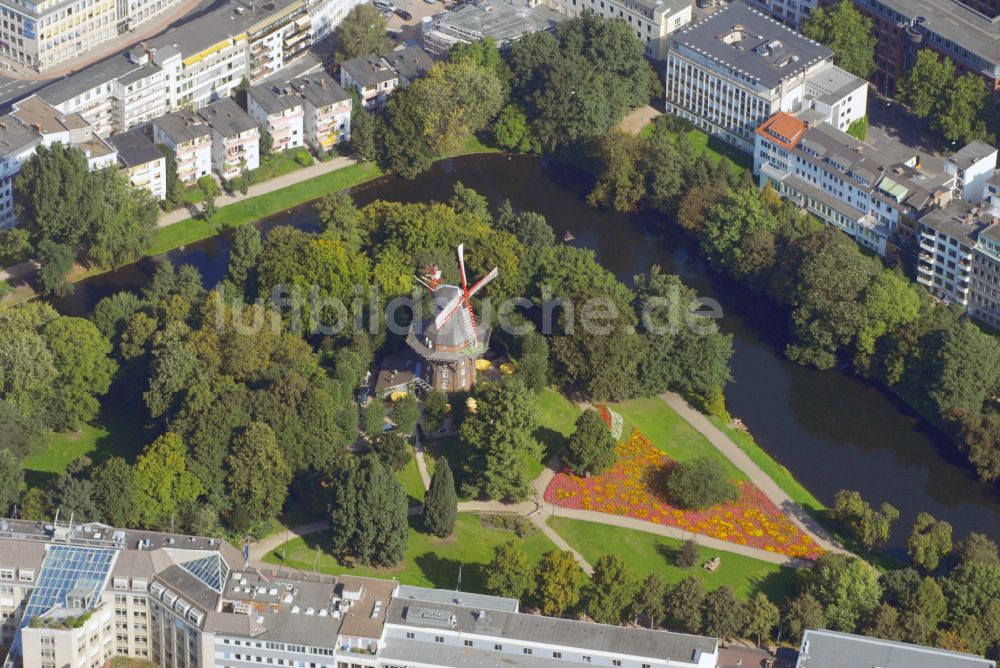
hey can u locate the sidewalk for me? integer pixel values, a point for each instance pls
(316, 169)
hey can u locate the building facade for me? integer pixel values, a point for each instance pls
(280, 112)
(652, 20)
(952, 28)
(730, 72)
(77, 597)
(789, 12)
(327, 107)
(235, 138)
(190, 139)
(144, 163)
(831, 649)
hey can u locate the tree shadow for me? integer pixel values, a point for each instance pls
(444, 573)
(551, 440)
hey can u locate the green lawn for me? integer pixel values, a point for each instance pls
(670, 432)
(410, 477)
(430, 562)
(647, 553)
(701, 141)
(557, 416)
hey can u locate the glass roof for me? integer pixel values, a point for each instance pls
(212, 570)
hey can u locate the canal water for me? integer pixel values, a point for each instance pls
(831, 430)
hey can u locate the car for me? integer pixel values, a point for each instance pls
(385, 5)
(403, 14)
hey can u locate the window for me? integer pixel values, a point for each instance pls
(409, 635)
(468, 643)
(438, 638)
(527, 650)
(498, 648)
(616, 662)
(556, 655)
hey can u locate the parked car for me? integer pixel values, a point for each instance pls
(403, 14)
(385, 5)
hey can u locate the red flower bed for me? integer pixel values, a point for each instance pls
(631, 488)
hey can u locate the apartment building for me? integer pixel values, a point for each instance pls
(948, 239)
(114, 95)
(873, 191)
(972, 166)
(830, 649)
(280, 111)
(78, 595)
(235, 138)
(40, 35)
(327, 106)
(730, 72)
(143, 162)
(410, 63)
(652, 20)
(504, 21)
(372, 77)
(33, 122)
(326, 15)
(789, 12)
(190, 139)
(955, 29)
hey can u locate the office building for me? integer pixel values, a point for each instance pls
(502, 20)
(143, 162)
(830, 649)
(652, 20)
(952, 28)
(730, 72)
(873, 191)
(789, 12)
(77, 596)
(41, 35)
(235, 138)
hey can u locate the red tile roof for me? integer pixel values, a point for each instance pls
(783, 129)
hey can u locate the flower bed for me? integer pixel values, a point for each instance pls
(631, 488)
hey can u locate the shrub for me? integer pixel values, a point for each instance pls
(208, 185)
(517, 524)
(303, 158)
(687, 554)
(700, 483)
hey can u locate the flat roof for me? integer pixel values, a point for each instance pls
(953, 21)
(960, 221)
(972, 153)
(753, 43)
(464, 598)
(135, 148)
(497, 19)
(411, 62)
(15, 135)
(830, 649)
(118, 67)
(552, 631)
(368, 70)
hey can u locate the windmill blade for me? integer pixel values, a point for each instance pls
(488, 278)
(448, 310)
(461, 265)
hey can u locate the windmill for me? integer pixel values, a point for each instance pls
(451, 341)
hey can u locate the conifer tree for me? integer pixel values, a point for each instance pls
(441, 503)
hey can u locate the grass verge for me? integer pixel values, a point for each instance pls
(429, 561)
(412, 483)
(557, 416)
(646, 553)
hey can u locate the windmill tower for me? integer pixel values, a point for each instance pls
(450, 343)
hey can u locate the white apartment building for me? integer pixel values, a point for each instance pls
(327, 106)
(114, 95)
(33, 122)
(652, 20)
(40, 35)
(143, 162)
(372, 77)
(874, 192)
(789, 12)
(76, 597)
(280, 112)
(190, 139)
(730, 72)
(235, 138)
(972, 166)
(327, 15)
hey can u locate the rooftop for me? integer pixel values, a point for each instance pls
(319, 89)
(43, 117)
(752, 43)
(464, 598)
(831, 84)
(274, 99)
(953, 21)
(829, 649)
(410, 63)
(182, 126)
(368, 70)
(784, 129)
(227, 118)
(504, 21)
(972, 153)
(15, 135)
(135, 148)
(370, 600)
(960, 221)
(119, 67)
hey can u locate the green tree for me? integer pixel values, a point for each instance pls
(558, 582)
(804, 612)
(11, 481)
(35, 505)
(925, 84)
(57, 261)
(977, 547)
(687, 554)
(872, 527)
(362, 32)
(858, 128)
(435, 408)
(162, 482)
(375, 418)
(364, 131)
(52, 195)
(620, 183)
(724, 613)
(961, 113)
(114, 492)
(649, 600)
(82, 356)
(122, 220)
(762, 616)
(684, 604)
(980, 438)
(74, 496)
(18, 435)
(700, 483)
(847, 588)
(513, 132)
(929, 542)
(208, 208)
(963, 369)
(405, 413)
(885, 623)
(730, 222)
(173, 184)
(591, 446)
(509, 573)
(112, 314)
(441, 502)
(848, 32)
(243, 259)
(533, 362)
(341, 219)
(500, 437)
(368, 509)
(266, 142)
(612, 589)
(392, 450)
(258, 473)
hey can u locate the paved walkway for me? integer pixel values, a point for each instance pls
(262, 548)
(263, 188)
(757, 476)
